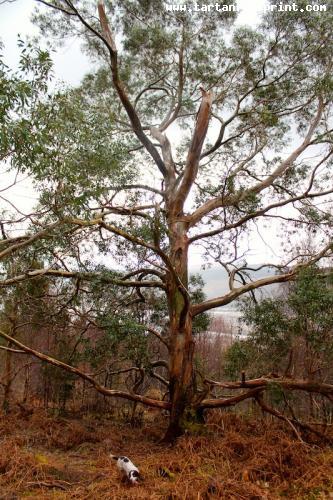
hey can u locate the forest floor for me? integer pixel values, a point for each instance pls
(231, 457)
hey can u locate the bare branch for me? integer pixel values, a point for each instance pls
(85, 376)
(125, 370)
(193, 157)
(160, 378)
(269, 280)
(9, 349)
(56, 7)
(173, 114)
(28, 240)
(259, 213)
(58, 273)
(225, 402)
(157, 335)
(292, 422)
(291, 158)
(286, 383)
(130, 110)
(236, 198)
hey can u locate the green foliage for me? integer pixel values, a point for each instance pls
(268, 118)
(26, 297)
(312, 305)
(122, 338)
(304, 317)
(65, 139)
(281, 68)
(237, 358)
(201, 321)
(22, 93)
(269, 324)
(81, 160)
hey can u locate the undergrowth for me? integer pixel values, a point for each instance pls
(230, 457)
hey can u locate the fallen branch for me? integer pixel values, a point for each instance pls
(286, 383)
(85, 376)
(62, 485)
(276, 413)
(225, 402)
(292, 422)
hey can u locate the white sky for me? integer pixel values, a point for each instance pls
(69, 66)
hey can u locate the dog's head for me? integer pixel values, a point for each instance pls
(134, 477)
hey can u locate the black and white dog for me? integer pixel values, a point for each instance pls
(128, 469)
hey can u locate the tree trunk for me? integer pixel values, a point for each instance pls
(181, 342)
(7, 382)
(26, 383)
(181, 381)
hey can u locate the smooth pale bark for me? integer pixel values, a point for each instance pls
(181, 369)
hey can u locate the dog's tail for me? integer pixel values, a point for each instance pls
(115, 457)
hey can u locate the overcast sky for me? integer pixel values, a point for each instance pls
(69, 66)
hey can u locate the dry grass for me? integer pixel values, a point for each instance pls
(231, 458)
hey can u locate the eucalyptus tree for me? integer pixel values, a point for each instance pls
(189, 130)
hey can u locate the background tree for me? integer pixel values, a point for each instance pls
(117, 185)
(290, 334)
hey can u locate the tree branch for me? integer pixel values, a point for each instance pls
(56, 7)
(236, 198)
(9, 349)
(225, 402)
(286, 383)
(269, 280)
(85, 376)
(58, 273)
(28, 240)
(130, 110)
(157, 335)
(292, 422)
(193, 157)
(258, 213)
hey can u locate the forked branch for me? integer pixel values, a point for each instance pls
(193, 157)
